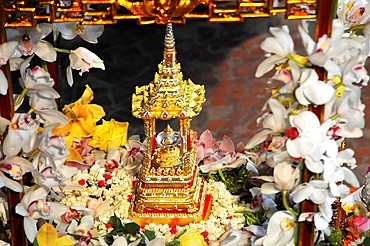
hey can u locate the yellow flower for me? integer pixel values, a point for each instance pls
(82, 118)
(48, 236)
(110, 134)
(192, 237)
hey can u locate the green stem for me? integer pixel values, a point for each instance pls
(33, 154)
(336, 116)
(30, 111)
(21, 96)
(62, 50)
(290, 57)
(338, 85)
(45, 66)
(219, 171)
(355, 28)
(286, 205)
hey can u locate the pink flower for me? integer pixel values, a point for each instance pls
(359, 224)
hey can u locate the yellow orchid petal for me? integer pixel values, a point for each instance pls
(64, 241)
(47, 235)
(87, 96)
(74, 156)
(95, 111)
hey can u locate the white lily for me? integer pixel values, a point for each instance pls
(30, 41)
(285, 179)
(34, 206)
(82, 59)
(312, 90)
(280, 230)
(273, 123)
(278, 48)
(89, 33)
(6, 51)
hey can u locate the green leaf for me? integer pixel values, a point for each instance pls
(174, 243)
(132, 227)
(149, 234)
(367, 241)
(35, 243)
(115, 222)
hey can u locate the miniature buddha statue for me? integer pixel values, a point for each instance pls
(167, 152)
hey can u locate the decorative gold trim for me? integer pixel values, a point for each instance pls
(27, 13)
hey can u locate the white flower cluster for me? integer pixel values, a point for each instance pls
(223, 214)
(113, 189)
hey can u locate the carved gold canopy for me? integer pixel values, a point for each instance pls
(17, 13)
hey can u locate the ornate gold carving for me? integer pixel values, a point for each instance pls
(26, 13)
(169, 186)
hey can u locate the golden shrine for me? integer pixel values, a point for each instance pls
(170, 190)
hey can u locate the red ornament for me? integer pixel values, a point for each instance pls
(230, 217)
(82, 182)
(107, 176)
(108, 226)
(101, 183)
(173, 229)
(129, 198)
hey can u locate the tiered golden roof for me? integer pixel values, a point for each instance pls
(168, 95)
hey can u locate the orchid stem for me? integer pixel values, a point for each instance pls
(45, 66)
(290, 57)
(286, 205)
(30, 111)
(62, 50)
(355, 28)
(21, 96)
(33, 154)
(336, 116)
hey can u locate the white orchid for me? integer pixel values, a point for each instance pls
(20, 135)
(30, 41)
(34, 206)
(285, 179)
(326, 50)
(273, 123)
(83, 230)
(82, 59)
(312, 90)
(89, 33)
(354, 12)
(268, 201)
(280, 230)
(279, 49)
(311, 140)
(315, 190)
(6, 51)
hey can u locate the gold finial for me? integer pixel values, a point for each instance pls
(169, 54)
(168, 130)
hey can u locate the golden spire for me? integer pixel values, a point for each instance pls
(168, 96)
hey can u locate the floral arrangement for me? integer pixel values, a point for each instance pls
(81, 168)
